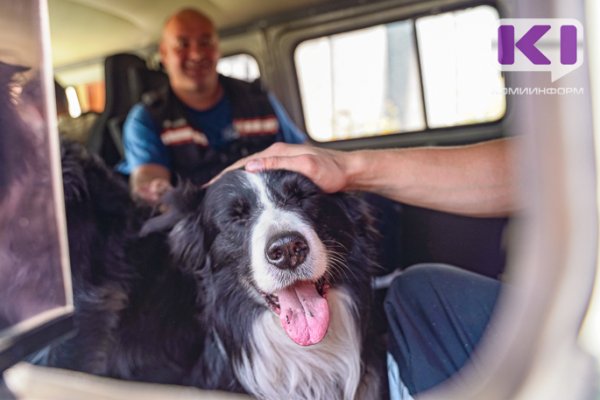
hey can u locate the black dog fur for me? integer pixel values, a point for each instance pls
(176, 304)
(180, 304)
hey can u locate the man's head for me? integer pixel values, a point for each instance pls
(189, 51)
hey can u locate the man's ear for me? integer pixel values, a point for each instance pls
(178, 203)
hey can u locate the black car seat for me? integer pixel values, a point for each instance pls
(103, 140)
(143, 80)
(140, 80)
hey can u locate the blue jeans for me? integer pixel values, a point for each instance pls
(437, 314)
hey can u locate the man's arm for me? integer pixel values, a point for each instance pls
(475, 180)
(146, 158)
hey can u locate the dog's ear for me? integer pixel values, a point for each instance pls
(187, 243)
(185, 199)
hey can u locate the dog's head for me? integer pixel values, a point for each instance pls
(274, 240)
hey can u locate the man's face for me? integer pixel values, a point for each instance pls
(189, 52)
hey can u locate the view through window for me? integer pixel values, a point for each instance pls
(387, 78)
(240, 66)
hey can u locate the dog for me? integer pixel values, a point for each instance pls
(291, 266)
(258, 284)
(29, 251)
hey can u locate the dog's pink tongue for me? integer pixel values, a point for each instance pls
(304, 313)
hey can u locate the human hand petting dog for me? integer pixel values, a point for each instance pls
(475, 180)
(328, 169)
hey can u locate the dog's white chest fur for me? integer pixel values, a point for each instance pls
(278, 368)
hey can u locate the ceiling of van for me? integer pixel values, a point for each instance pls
(89, 29)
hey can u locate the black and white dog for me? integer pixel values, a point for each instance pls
(258, 284)
(285, 272)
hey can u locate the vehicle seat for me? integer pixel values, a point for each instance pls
(143, 80)
(103, 140)
(475, 244)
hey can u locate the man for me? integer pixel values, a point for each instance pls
(436, 313)
(203, 121)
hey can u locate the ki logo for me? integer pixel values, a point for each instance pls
(533, 44)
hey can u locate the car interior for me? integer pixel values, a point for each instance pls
(430, 80)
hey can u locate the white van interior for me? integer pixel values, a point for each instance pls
(353, 75)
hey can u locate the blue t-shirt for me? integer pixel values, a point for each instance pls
(142, 144)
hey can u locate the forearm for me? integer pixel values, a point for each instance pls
(474, 180)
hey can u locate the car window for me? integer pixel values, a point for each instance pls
(88, 93)
(387, 78)
(469, 88)
(241, 66)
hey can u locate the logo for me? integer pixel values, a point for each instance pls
(533, 44)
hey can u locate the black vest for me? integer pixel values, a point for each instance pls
(255, 127)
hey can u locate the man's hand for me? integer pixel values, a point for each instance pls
(149, 182)
(153, 191)
(328, 169)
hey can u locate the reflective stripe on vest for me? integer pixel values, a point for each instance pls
(268, 125)
(182, 135)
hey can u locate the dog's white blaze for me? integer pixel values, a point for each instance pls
(273, 220)
(277, 368)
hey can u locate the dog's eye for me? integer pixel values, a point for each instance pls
(239, 210)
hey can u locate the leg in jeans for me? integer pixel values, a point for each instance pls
(437, 314)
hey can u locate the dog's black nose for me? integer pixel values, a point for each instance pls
(287, 251)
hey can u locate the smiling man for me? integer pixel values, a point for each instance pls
(202, 121)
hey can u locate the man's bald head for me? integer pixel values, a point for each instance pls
(189, 51)
(187, 16)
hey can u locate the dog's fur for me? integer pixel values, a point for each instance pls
(135, 315)
(223, 242)
(189, 306)
(190, 302)
(199, 316)
(30, 279)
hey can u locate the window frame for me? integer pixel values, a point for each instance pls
(244, 53)
(286, 37)
(412, 18)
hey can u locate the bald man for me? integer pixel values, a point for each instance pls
(202, 121)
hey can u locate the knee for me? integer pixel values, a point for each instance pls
(425, 285)
(419, 281)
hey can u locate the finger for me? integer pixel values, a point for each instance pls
(236, 165)
(146, 196)
(160, 187)
(294, 163)
(250, 164)
(256, 165)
